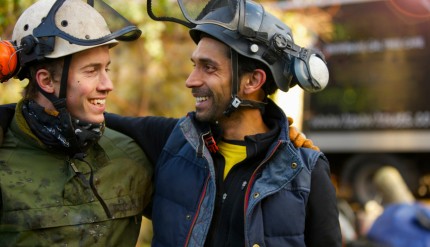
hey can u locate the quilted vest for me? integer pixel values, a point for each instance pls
(185, 192)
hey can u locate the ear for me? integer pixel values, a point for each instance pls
(254, 81)
(43, 78)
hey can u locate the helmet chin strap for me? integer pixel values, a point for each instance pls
(236, 102)
(60, 102)
(63, 114)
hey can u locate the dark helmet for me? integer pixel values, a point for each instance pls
(249, 30)
(261, 36)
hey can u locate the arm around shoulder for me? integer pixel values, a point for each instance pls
(150, 133)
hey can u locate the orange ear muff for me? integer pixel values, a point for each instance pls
(8, 60)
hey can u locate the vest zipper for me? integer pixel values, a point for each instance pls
(251, 182)
(198, 211)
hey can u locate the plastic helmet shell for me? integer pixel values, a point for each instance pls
(74, 17)
(252, 48)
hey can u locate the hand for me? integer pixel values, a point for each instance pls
(298, 138)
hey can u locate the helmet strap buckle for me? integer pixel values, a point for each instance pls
(236, 102)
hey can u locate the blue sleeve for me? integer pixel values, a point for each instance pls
(402, 225)
(150, 133)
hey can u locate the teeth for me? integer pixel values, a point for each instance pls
(200, 99)
(98, 101)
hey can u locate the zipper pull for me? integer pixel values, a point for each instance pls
(244, 183)
(79, 174)
(75, 169)
(224, 196)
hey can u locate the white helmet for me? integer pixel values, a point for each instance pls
(57, 28)
(60, 28)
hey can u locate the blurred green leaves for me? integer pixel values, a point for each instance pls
(149, 74)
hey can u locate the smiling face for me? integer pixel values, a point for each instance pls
(210, 80)
(89, 84)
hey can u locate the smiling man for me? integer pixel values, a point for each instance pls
(234, 176)
(89, 84)
(65, 179)
(229, 172)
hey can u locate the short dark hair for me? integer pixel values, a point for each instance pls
(247, 65)
(53, 66)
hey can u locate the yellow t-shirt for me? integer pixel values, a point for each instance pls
(232, 153)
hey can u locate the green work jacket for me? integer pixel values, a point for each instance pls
(47, 199)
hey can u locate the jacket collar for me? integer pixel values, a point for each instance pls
(274, 118)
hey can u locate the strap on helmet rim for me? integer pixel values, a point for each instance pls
(48, 27)
(236, 102)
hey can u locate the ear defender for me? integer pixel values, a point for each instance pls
(8, 60)
(305, 67)
(311, 75)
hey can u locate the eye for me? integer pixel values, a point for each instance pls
(209, 68)
(90, 70)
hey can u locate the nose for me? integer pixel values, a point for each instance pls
(106, 83)
(194, 79)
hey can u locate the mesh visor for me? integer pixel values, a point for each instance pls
(235, 15)
(120, 28)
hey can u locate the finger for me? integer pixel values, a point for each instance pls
(290, 121)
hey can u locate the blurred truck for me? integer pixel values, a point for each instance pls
(375, 111)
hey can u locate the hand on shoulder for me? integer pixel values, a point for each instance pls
(298, 138)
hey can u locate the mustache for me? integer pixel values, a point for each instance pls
(201, 92)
